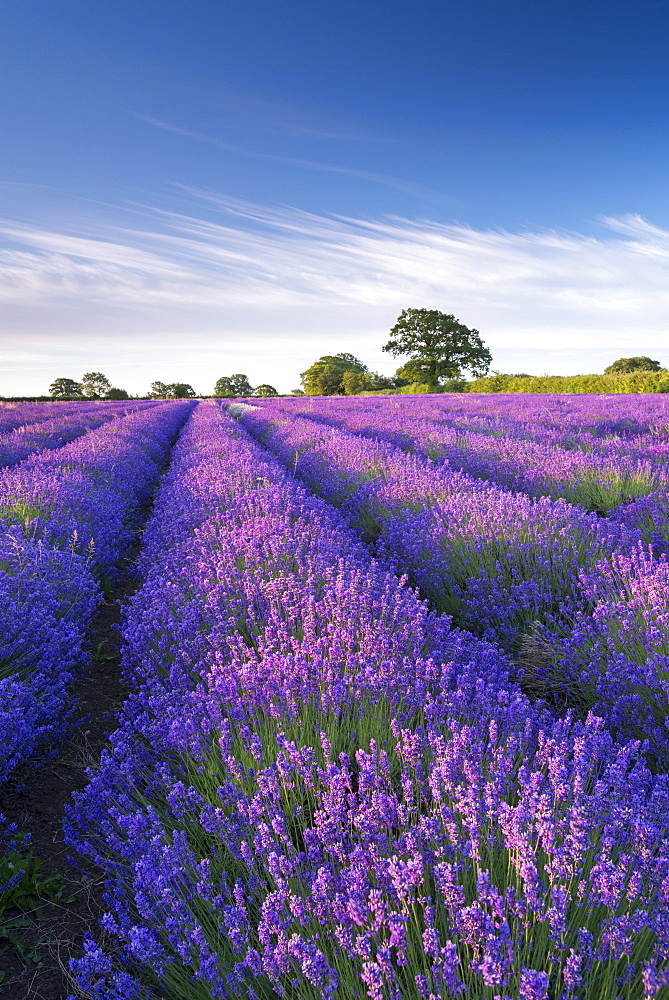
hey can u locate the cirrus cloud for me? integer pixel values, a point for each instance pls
(236, 286)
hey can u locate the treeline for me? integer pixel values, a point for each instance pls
(95, 385)
(345, 375)
(336, 376)
(439, 350)
(239, 385)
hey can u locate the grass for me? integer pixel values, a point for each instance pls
(24, 893)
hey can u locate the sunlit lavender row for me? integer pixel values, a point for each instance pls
(51, 432)
(16, 415)
(320, 788)
(596, 466)
(518, 571)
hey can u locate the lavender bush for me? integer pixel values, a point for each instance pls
(594, 472)
(617, 653)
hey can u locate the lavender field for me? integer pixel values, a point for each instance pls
(398, 673)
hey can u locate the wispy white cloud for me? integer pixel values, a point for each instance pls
(267, 289)
(419, 191)
(282, 118)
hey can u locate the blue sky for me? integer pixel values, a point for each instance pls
(195, 189)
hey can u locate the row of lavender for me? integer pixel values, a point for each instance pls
(578, 599)
(601, 416)
(556, 458)
(60, 426)
(589, 423)
(320, 789)
(65, 521)
(15, 415)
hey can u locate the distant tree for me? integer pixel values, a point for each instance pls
(95, 385)
(159, 390)
(624, 366)
(115, 393)
(325, 376)
(180, 390)
(62, 387)
(377, 381)
(265, 390)
(441, 342)
(233, 385)
(297, 392)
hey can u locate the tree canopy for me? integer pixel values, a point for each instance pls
(95, 385)
(353, 382)
(265, 390)
(325, 376)
(439, 343)
(377, 381)
(115, 393)
(624, 366)
(64, 387)
(340, 375)
(416, 371)
(233, 385)
(158, 390)
(172, 390)
(180, 390)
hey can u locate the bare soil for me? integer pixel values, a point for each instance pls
(35, 799)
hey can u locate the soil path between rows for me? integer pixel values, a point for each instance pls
(35, 799)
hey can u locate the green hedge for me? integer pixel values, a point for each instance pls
(635, 382)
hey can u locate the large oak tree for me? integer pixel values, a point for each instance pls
(440, 343)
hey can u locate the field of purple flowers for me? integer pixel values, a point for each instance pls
(399, 674)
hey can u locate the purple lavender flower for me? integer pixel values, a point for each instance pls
(533, 985)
